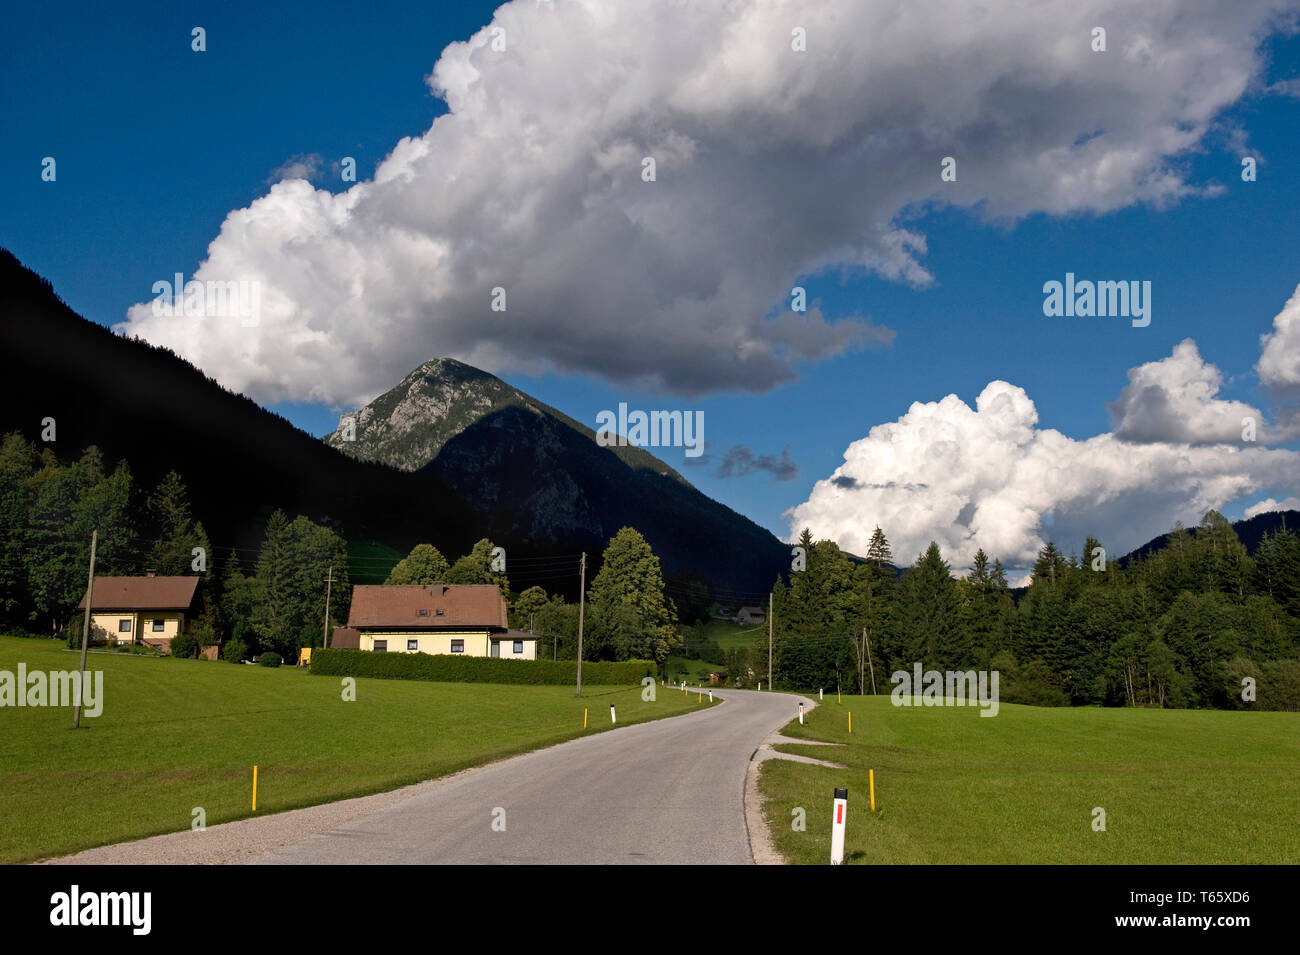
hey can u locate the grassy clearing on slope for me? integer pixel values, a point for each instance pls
(370, 562)
(1177, 786)
(729, 635)
(180, 734)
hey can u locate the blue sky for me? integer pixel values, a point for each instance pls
(156, 144)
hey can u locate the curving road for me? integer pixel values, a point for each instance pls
(668, 791)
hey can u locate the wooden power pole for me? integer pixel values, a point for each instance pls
(862, 664)
(85, 632)
(582, 602)
(329, 585)
(769, 641)
(866, 640)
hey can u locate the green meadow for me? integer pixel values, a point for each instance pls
(179, 734)
(952, 787)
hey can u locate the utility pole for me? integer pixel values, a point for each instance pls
(329, 584)
(85, 632)
(769, 641)
(862, 664)
(867, 641)
(582, 602)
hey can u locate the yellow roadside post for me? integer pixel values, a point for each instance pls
(871, 777)
(254, 789)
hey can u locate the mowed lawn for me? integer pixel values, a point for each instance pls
(1177, 786)
(179, 734)
(729, 635)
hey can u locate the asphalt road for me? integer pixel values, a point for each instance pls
(669, 791)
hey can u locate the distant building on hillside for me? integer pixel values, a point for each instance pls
(443, 618)
(149, 610)
(751, 615)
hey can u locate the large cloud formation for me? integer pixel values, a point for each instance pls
(1279, 364)
(1176, 399)
(771, 163)
(989, 477)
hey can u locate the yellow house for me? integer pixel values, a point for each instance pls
(443, 618)
(149, 610)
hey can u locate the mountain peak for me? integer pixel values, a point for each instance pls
(407, 426)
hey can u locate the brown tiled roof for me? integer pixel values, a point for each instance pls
(345, 638)
(143, 593)
(473, 606)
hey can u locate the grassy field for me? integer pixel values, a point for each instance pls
(728, 635)
(1177, 786)
(370, 562)
(697, 670)
(179, 734)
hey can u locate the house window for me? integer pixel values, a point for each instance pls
(124, 626)
(438, 613)
(381, 645)
(422, 612)
(519, 646)
(412, 644)
(158, 626)
(458, 646)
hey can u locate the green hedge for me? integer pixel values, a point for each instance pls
(455, 668)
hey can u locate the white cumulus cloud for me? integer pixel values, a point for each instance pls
(1269, 504)
(1175, 399)
(1279, 364)
(989, 477)
(771, 164)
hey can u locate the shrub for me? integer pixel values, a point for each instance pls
(184, 646)
(98, 635)
(269, 659)
(234, 651)
(456, 668)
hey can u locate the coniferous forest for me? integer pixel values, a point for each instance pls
(1191, 624)
(1196, 622)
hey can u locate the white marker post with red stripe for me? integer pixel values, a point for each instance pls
(837, 825)
(801, 714)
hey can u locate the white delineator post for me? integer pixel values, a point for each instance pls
(841, 810)
(801, 714)
(611, 714)
(819, 695)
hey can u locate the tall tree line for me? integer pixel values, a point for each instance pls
(270, 599)
(1199, 623)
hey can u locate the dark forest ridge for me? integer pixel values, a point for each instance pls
(502, 465)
